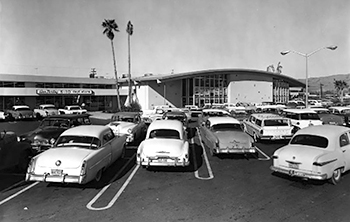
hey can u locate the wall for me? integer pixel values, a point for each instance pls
(249, 88)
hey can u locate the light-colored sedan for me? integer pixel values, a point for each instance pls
(80, 155)
(316, 152)
(129, 124)
(225, 135)
(165, 145)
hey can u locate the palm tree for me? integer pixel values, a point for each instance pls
(340, 86)
(110, 26)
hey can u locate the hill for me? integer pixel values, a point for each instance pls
(327, 82)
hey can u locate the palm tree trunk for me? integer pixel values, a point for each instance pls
(116, 77)
(130, 97)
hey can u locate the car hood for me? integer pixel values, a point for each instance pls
(70, 157)
(233, 139)
(122, 127)
(45, 133)
(162, 147)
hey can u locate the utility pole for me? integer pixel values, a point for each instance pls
(321, 90)
(129, 30)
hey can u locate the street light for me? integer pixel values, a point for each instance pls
(307, 75)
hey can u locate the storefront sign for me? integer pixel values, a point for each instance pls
(64, 92)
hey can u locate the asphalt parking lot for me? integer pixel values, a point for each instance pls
(212, 188)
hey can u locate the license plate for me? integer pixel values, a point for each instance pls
(163, 160)
(56, 172)
(294, 165)
(277, 137)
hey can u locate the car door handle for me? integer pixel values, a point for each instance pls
(344, 151)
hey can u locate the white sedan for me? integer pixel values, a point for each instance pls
(316, 152)
(80, 155)
(165, 145)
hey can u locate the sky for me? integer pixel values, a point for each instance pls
(64, 37)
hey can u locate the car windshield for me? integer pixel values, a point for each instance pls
(214, 113)
(310, 140)
(276, 122)
(164, 133)
(22, 109)
(181, 118)
(87, 142)
(55, 122)
(309, 116)
(195, 114)
(49, 107)
(74, 108)
(347, 111)
(127, 119)
(227, 127)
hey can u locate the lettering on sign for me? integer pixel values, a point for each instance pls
(64, 91)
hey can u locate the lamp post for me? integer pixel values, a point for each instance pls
(307, 75)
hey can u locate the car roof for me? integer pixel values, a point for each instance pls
(268, 116)
(215, 110)
(166, 124)
(339, 107)
(222, 119)
(68, 116)
(20, 106)
(328, 131)
(86, 130)
(299, 110)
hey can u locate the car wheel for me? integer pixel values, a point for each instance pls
(98, 175)
(336, 176)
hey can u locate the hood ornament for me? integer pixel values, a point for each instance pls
(58, 162)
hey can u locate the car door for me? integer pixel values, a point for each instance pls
(344, 143)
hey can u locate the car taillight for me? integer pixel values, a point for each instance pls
(83, 169)
(31, 165)
(323, 163)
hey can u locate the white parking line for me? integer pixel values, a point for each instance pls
(260, 151)
(115, 198)
(18, 193)
(196, 174)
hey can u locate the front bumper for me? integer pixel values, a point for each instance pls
(299, 173)
(65, 178)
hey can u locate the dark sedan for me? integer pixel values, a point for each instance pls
(51, 128)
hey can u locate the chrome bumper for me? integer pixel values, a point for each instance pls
(55, 179)
(299, 173)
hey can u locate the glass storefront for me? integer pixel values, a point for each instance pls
(204, 89)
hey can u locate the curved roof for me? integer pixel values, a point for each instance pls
(292, 82)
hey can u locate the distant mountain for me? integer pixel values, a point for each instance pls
(327, 82)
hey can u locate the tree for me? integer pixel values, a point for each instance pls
(110, 26)
(340, 86)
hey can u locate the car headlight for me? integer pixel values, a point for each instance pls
(52, 140)
(129, 130)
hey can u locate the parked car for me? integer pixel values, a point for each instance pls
(45, 110)
(20, 112)
(343, 112)
(327, 117)
(235, 108)
(223, 135)
(316, 152)
(302, 118)
(80, 155)
(72, 109)
(195, 114)
(13, 153)
(176, 115)
(165, 145)
(3, 116)
(206, 113)
(129, 124)
(51, 128)
(267, 126)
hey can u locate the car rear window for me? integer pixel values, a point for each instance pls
(309, 116)
(164, 133)
(276, 122)
(310, 140)
(227, 126)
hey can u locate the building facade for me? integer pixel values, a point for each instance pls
(197, 88)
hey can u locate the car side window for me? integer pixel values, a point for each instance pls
(344, 140)
(108, 137)
(258, 122)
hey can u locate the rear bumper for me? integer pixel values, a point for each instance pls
(162, 162)
(284, 137)
(299, 173)
(235, 150)
(55, 179)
